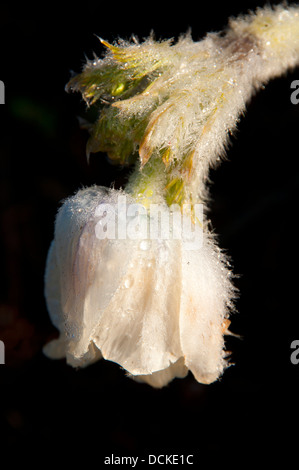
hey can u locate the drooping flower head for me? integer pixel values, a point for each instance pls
(151, 303)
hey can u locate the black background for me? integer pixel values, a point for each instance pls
(48, 406)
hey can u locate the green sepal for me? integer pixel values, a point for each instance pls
(119, 138)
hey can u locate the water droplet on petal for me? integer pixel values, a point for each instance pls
(128, 282)
(144, 245)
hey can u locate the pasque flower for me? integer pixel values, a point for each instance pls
(150, 304)
(153, 306)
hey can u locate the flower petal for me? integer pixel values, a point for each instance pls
(162, 377)
(206, 297)
(121, 295)
(52, 288)
(140, 327)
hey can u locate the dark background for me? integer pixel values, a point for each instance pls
(48, 406)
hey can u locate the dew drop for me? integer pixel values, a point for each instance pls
(128, 282)
(144, 245)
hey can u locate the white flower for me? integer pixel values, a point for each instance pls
(150, 305)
